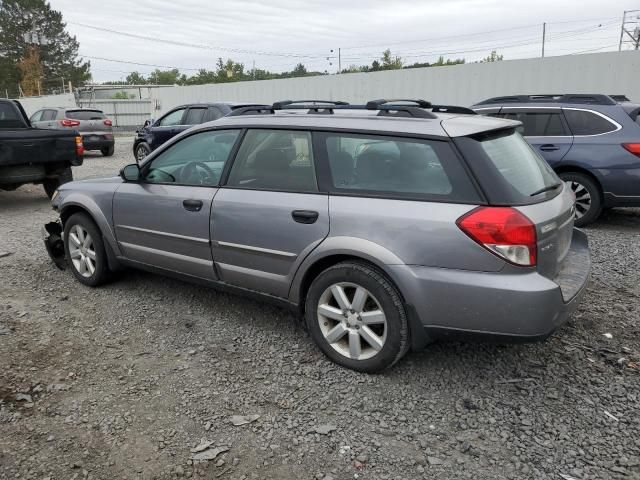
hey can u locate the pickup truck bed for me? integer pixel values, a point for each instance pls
(30, 155)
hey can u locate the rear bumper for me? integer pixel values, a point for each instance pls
(97, 142)
(510, 307)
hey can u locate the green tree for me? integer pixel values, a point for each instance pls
(390, 62)
(299, 71)
(230, 71)
(134, 78)
(493, 57)
(165, 77)
(29, 23)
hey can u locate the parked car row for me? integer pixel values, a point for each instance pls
(384, 225)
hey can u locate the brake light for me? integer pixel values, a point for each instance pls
(504, 231)
(66, 122)
(633, 148)
(108, 123)
(79, 146)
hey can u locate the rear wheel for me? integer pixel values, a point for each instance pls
(588, 199)
(108, 151)
(51, 184)
(84, 250)
(357, 318)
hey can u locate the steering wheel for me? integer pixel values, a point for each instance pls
(190, 170)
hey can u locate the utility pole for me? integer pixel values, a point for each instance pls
(631, 28)
(544, 35)
(339, 61)
(63, 85)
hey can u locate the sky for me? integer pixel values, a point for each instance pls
(278, 34)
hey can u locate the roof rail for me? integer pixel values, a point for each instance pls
(580, 98)
(251, 109)
(452, 109)
(620, 98)
(286, 103)
(393, 109)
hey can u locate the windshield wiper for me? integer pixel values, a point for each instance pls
(546, 189)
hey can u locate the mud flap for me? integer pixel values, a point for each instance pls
(52, 234)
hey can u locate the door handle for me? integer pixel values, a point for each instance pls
(305, 216)
(192, 205)
(548, 148)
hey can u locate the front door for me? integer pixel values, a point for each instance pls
(269, 216)
(167, 127)
(163, 220)
(545, 129)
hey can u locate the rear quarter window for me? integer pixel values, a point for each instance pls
(395, 167)
(584, 122)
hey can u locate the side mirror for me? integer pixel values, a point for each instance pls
(130, 173)
(148, 123)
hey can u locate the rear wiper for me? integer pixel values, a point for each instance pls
(546, 189)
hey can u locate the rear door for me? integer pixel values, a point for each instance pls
(545, 129)
(270, 214)
(163, 220)
(167, 127)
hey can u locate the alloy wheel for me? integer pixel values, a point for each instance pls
(352, 321)
(82, 251)
(583, 197)
(141, 154)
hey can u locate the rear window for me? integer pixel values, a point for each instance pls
(9, 116)
(195, 116)
(538, 124)
(391, 166)
(508, 168)
(582, 122)
(85, 114)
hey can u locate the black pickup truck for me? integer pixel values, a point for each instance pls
(31, 155)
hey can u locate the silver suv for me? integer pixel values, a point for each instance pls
(94, 126)
(386, 226)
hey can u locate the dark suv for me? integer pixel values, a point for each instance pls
(155, 132)
(591, 141)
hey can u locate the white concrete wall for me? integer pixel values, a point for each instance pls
(33, 104)
(609, 73)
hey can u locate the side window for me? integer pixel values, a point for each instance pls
(539, 124)
(391, 165)
(194, 116)
(214, 114)
(36, 116)
(582, 122)
(48, 115)
(274, 160)
(195, 160)
(173, 118)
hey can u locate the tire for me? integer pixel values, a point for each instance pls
(51, 184)
(350, 331)
(108, 151)
(81, 251)
(142, 150)
(588, 197)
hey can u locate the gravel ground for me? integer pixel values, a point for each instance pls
(126, 381)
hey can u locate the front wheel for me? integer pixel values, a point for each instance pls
(588, 199)
(357, 318)
(141, 152)
(84, 250)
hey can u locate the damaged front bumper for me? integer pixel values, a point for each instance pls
(52, 234)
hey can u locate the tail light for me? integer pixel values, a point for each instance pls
(633, 148)
(504, 231)
(79, 146)
(67, 122)
(108, 123)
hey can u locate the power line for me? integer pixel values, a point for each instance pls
(194, 45)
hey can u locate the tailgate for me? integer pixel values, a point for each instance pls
(36, 146)
(554, 227)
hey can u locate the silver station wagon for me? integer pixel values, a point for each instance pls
(386, 225)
